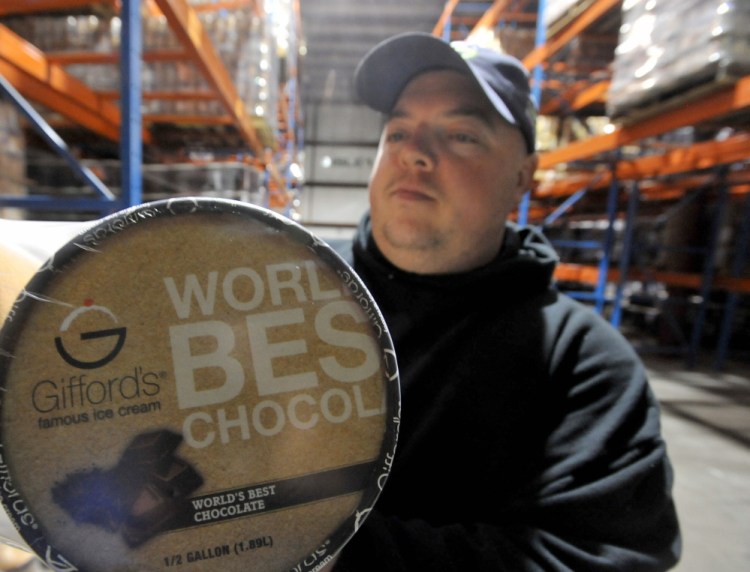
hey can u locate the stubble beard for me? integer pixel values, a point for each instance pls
(415, 237)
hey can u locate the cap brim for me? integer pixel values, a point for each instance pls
(383, 73)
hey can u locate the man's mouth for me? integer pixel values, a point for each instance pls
(410, 193)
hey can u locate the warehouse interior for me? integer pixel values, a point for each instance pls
(643, 185)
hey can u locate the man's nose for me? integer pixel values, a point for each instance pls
(419, 151)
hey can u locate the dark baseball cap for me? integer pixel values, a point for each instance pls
(385, 70)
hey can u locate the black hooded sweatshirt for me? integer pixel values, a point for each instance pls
(529, 439)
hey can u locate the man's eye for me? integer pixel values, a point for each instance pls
(395, 136)
(463, 138)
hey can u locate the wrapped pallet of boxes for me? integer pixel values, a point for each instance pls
(12, 154)
(558, 13)
(668, 48)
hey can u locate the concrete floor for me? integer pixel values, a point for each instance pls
(706, 423)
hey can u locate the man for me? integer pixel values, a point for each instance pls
(530, 439)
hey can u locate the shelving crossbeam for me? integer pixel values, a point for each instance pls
(112, 58)
(491, 16)
(35, 6)
(725, 100)
(682, 160)
(442, 26)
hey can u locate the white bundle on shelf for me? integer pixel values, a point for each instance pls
(12, 151)
(668, 47)
(556, 10)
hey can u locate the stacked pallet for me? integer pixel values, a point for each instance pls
(12, 152)
(668, 48)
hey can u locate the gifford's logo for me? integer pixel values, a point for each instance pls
(85, 341)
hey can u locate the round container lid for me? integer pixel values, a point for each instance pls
(194, 381)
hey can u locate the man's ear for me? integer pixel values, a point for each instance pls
(526, 173)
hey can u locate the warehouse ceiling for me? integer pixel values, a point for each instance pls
(337, 33)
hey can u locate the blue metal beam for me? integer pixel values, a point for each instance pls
(536, 96)
(582, 295)
(564, 206)
(583, 244)
(627, 248)
(540, 40)
(609, 239)
(131, 147)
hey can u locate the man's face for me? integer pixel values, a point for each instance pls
(448, 172)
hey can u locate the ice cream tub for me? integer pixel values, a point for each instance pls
(195, 384)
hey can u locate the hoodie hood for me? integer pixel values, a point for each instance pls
(424, 312)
